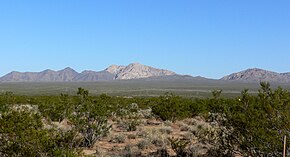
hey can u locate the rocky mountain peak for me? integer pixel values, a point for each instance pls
(135, 64)
(48, 71)
(115, 69)
(137, 70)
(68, 69)
(87, 72)
(256, 75)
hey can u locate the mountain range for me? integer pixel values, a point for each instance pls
(114, 72)
(136, 71)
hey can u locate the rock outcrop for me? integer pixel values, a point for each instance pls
(136, 71)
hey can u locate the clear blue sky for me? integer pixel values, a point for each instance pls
(211, 38)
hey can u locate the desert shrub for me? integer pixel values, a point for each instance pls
(166, 130)
(22, 134)
(129, 151)
(144, 144)
(183, 126)
(92, 128)
(68, 140)
(146, 113)
(131, 136)
(155, 137)
(189, 136)
(253, 125)
(88, 120)
(7, 99)
(171, 107)
(142, 133)
(161, 152)
(179, 146)
(57, 108)
(3, 107)
(205, 132)
(158, 142)
(115, 148)
(129, 117)
(130, 123)
(102, 152)
(167, 123)
(119, 138)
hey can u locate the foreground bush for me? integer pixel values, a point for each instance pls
(171, 107)
(22, 134)
(89, 120)
(254, 125)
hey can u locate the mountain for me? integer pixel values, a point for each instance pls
(48, 75)
(257, 75)
(114, 72)
(115, 69)
(67, 74)
(175, 77)
(92, 76)
(137, 71)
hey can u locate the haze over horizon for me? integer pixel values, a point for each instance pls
(207, 38)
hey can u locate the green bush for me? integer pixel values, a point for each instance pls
(254, 125)
(171, 107)
(7, 99)
(119, 138)
(179, 146)
(88, 120)
(22, 134)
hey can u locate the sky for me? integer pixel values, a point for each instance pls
(210, 38)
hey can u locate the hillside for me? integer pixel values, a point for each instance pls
(257, 75)
(136, 71)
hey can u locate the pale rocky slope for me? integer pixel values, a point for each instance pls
(136, 71)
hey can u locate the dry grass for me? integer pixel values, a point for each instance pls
(149, 137)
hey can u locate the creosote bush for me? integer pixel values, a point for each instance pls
(171, 107)
(22, 134)
(88, 122)
(128, 117)
(251, 125)
(119, 138)
(179, 146)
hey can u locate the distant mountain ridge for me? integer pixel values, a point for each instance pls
(114, 72)
(257, 75)
(135, 71)
(64, 75)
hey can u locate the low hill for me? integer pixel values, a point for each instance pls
(257, 75)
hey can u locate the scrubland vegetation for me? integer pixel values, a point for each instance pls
(168, 125)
